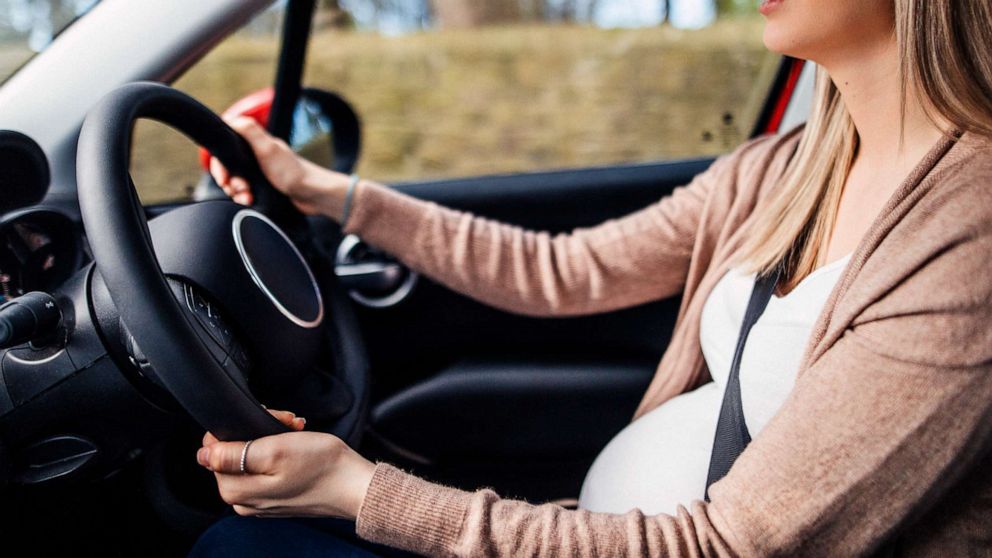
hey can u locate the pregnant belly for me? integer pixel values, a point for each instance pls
(659, 461)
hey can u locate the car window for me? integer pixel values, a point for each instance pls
(452, 88)
(27, 27)
(165, 165)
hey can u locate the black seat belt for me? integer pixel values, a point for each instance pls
(732, 435)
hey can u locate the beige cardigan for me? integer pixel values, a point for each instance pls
(886, 432)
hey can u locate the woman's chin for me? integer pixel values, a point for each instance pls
(773, 42)
(779, 42)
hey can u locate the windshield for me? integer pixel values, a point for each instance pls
(27, 27)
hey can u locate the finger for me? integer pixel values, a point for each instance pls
(285, 417)
(238, 185)
(277, 511)
(208, 439)
(249, 511)
(246, 511)
(289, 419)
(243, 198)
(249, 128)
(240, 191)
(219, 172)
(222, 457)
(262, 144)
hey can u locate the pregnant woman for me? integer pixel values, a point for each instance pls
(865, 385)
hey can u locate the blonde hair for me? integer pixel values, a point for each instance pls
(946, 60)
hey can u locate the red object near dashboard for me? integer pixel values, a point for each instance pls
(257, 105)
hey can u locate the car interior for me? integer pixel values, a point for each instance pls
(132, 328)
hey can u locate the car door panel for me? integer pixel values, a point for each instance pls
(506, 406)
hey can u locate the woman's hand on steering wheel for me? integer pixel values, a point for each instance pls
(313, 189)
(298, 474)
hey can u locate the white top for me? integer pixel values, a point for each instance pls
(660, 461)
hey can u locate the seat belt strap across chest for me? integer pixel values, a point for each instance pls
(732, 435)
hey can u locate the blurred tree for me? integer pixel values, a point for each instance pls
(39, 20)
(565, 10)
(394, 16)
(331, 15)
(475, 13)
(533, 10)
(571, 10)
(408, 15)
(724, 7)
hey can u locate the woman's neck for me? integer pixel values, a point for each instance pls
(869, 83)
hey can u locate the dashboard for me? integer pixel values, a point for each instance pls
(55, 368)
(39, 250)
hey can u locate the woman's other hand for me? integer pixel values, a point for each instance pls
(311, 187)
(297, 474)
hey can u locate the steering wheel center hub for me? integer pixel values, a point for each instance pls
(277, 268)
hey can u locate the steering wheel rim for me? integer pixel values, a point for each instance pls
(125, 256)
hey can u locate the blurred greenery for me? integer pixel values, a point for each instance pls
(497, 99)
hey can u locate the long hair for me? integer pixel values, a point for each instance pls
(946, 49)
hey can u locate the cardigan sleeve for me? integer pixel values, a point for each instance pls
(876, 430)
(619, 263)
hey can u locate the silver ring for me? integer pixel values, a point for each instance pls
(244, 457)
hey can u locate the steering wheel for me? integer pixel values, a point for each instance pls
(215, 299)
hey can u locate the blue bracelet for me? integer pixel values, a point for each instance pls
(352, 183)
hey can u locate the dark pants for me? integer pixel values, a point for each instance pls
(250, 537)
